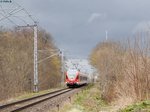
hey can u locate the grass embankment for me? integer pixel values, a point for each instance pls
(138, 107)
(88, 100)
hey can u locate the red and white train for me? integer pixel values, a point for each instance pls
(75, 78)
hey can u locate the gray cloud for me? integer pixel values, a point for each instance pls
(95, 16)
(68, 20)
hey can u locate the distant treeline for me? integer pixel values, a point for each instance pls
(16, 62)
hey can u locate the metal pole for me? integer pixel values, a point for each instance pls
(62, 68)
(106, 35)
(35, 60)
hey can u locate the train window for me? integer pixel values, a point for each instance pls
(71, 74)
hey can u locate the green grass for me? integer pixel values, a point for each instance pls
(143, 106)
(89, 100)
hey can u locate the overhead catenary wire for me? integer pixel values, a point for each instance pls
(51, 51)
(20, 19)
(48, 57)
(15, 11)
(25, 12)
(7, 18)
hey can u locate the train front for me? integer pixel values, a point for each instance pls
(72, 78)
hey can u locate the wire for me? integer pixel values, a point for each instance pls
(52, 50)
(30, 16)
(6, 17)
(20, 19)
(47, 58)
(12, 13)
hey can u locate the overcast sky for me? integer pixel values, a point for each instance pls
(78, 25)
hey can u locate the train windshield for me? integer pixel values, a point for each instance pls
(72, 74)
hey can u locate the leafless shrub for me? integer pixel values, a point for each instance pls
(138, 68)
(124, 69)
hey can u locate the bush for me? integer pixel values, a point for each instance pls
(124, 69)
(16, 62)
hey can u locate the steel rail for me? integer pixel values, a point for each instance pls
(40, 101)
(28, 99)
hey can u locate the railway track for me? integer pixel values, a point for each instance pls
(30, 102)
